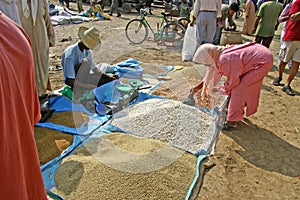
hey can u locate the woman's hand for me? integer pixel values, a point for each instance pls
(219, 89)
(222, 90)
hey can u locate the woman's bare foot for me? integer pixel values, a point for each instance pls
(232, 124)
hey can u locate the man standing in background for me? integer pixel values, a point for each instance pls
(227, 14)
(290, 49)
(35, 20)
(114, 7)
(79, 6)
(266, 22)
(206, 12)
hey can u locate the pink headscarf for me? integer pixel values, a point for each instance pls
(207, 54)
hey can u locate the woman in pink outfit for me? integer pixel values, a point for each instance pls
(244, 67)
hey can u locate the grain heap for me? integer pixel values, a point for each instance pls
(170, 121)
(51, 143)
(178, 91)
(93, 171)
(182, 82)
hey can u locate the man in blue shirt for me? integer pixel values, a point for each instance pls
(79, 69)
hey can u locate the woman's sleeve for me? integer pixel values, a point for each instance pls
(233, 72)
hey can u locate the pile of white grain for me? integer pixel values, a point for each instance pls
(170, 121)
(110, 167)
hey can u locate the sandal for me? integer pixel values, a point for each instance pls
(288, 90)
(277, 81)
(226, 127)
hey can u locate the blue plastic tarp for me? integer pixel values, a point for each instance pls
(129, 69)
(62, 104)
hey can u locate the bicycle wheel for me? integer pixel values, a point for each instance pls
(136, 31)
(172, 35)
(184, 21)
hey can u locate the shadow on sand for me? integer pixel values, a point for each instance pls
(265, 150)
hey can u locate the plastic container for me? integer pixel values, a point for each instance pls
(123, 88)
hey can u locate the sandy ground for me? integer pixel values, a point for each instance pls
(258, 160)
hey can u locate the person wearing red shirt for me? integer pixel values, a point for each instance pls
(290, 49)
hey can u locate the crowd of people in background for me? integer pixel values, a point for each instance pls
(27, 34)
(290, 48)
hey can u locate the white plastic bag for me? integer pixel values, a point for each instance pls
(189, 43)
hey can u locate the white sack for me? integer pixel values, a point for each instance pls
(189, 43)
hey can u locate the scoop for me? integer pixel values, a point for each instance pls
(190, 100)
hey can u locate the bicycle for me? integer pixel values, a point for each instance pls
(184, 21)
(169, 32)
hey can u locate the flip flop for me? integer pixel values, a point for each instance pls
(226, 127)
(288, 90)
(277, 81)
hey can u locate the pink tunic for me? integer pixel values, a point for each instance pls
(245, 67)
(20, 174)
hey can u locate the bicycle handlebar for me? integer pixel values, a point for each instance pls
(144, 11)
